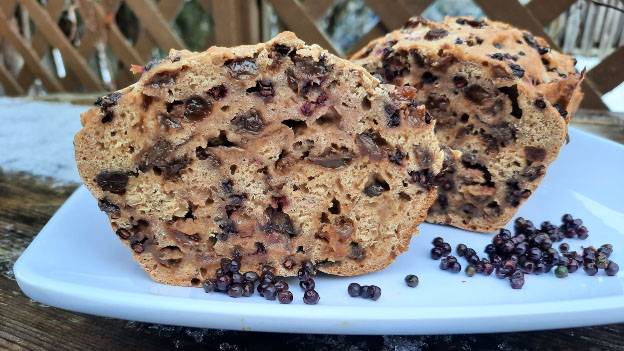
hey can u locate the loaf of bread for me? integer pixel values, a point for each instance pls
(272, 154)
(499, 95)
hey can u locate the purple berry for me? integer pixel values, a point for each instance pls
(612, 269)
(307, 284)
(209, 285)
(284, 297)
(311, 297)
(354, 289)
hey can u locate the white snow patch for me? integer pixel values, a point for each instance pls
(613, 99)
(37, 137)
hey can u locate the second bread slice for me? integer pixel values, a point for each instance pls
(498, 94)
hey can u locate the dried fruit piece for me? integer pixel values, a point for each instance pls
(196, 108)
(263, 88)
(114, 182)
(333, 158)
(249, 122)
(436, 33)
(163, 79)
(371, 143)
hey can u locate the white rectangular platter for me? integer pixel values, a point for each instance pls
(77, 263)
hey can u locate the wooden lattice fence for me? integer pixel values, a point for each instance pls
(82, 45)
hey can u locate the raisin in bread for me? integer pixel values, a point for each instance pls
(274, 154)
(499, 95)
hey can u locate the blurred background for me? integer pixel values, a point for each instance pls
(71, 46)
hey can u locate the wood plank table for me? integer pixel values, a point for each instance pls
(27, 202)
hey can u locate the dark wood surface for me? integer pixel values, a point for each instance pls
(26, 204)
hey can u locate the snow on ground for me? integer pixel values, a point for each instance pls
(37, 137)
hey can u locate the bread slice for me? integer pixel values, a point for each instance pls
(273, 153)
(499, 95)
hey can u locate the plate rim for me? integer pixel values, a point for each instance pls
(567, 313)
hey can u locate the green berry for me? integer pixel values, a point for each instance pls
(602, 261)
(470, 270)
(561, 271)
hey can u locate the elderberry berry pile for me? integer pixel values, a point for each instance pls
(230, 280)
(530, 251)
(372, 292)
(310, 296)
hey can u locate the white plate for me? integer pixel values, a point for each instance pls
(77, 263)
